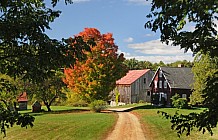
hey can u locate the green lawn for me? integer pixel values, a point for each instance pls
(158, 128)
(65, 123)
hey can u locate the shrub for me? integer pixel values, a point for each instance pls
(141, 101)
(179, 102)
(98, 105)
(80, 103)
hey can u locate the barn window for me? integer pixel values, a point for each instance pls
(160, 73)
(148, 93)
(160, 84)
(144, 80)
(155, 84)
(165, 84)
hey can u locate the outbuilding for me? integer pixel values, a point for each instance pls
(134, 86)
(22, 101)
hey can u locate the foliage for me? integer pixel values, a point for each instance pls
(134, 64)
(204, 67)
(80, 103)
(170, 17)
(25, 49)
(96, 76)
(141, 101)
(49, 90)
(98, 105)
(179, 102)
(9, 118)
(8, 90)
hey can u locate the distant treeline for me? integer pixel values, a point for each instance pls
(134, 64)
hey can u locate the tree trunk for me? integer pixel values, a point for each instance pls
(48, 106)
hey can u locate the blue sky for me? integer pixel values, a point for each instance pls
(125, 19)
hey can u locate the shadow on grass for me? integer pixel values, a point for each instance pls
(147, 107)
(142, 107)
(58, 112)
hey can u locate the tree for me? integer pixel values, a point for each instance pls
(132, 64)
(8, 115)
(170, 17)
(48, 90)
(93, 78)
(204, 67)
(184, 63)
(25, 49)
(8, 90)
(27, 52)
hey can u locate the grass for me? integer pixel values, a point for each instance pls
(158, 128)
(65, 124)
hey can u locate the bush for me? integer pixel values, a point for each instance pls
(141, 101)
(80, 103)
(98, 105)
(178, 102)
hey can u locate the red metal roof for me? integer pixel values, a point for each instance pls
(22, 97)
(131, 77)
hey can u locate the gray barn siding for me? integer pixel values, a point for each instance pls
(136, 91)
(125, 92)
(139, 89)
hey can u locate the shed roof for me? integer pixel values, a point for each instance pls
(131, 77)
(22, 97)
(179, 77)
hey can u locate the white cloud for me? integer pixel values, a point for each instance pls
(140, 2)
(155, 47)
(128, 40)
(158, 58)
(155, 51)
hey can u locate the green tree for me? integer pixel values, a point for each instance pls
(184, 63)
(171, 17)
(27, 52)
(48, 90)
(132, 64)
(8, 115)
(204, 67)
(8, 91)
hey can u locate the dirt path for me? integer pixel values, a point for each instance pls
(127, 128)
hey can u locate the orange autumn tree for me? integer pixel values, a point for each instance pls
(93, 78)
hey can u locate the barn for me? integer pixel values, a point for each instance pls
(134, 86)
(168, 81)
